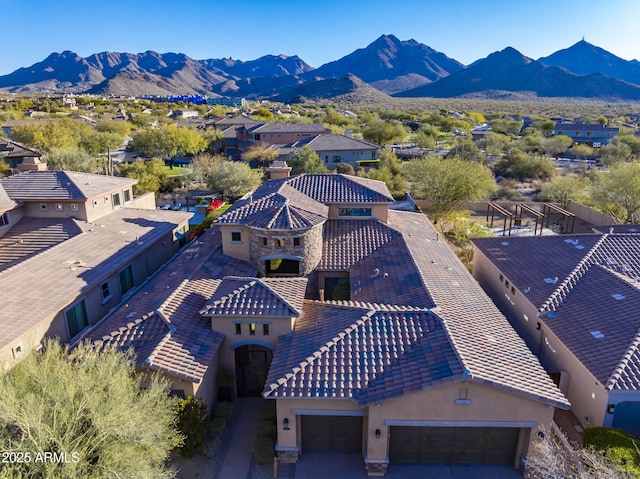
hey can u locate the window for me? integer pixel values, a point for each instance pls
(264, 241)
(4, 219)
(238, 328)
(76, 317)
(126, 279)
(297, 241)
(354, 212)
(106, 291)
(59, 207)
(116, 200)
(127, 196)
(589, 133)
(513, 290)
(506, 284)
(265, 329)
(501, 278)
(280, 242)
(336, 159)
(252, 329)
(74, 206)
(577, 133)
(43, 207)
(236, 237)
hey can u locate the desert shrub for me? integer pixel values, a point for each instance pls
(264, 450)
(192, 423)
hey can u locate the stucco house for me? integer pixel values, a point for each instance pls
(574, 300)
(413, 364)
(334, 149)
(72, 247)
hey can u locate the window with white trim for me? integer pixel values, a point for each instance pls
(236, 237)
(4, 219)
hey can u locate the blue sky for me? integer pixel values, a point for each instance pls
(317, 31)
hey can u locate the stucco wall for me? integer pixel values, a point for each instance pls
(239, 250)
(14, 216)
(586, 394)
(378, 211)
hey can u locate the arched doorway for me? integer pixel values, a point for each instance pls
(252, 367)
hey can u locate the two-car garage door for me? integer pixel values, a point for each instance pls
(453, 445)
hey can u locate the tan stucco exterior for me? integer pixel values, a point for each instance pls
(236, 249)
(587, 395)
(487, 406)
(378, 211)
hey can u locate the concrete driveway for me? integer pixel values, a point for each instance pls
(320, 465)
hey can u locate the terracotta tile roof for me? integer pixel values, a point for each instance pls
(369, 355)
(585, 295)
(31, 236)
(283, 208)
(177, 339)
(487, 344)
(331, 142)
(12, 149)
(389, 275)
(337, 188)
(61, 185)
(6, 203)
(264, 128)
(345, 242)
(267, 297)
(51, 280)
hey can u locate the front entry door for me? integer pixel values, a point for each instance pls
(252, 366)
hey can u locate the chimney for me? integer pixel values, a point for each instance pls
(348, 133)
(31, 163)
(279, 170)
(321, 294)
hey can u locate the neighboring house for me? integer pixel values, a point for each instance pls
(279, 133)
(14, 153)
(574, 299)
(417, 366)
(185, 113)
(593, 134)
(72, 247)
(335, 149)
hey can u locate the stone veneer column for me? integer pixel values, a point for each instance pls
(310, 250)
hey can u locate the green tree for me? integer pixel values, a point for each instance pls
(203, 166)
(390, 171)
(234, 179)
(4, 167)
(556, 145)
(494, 144)
(382, 132)
(151, 175)
(561, 189)
(70, 159)
(305, 160)
(545, 127)
(519, 165)
(345, 169)
(463, 147)
(446, 183)
(506, 127)
(617, 191)
(263, 155)
(89, 406)
(47, 135)
(168, 141)
(615, 153)
(582, 150)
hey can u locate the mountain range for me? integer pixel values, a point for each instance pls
(388, 66)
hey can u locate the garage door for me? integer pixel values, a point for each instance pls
(332, 433)
(453, 445)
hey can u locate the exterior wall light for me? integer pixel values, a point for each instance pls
(285, 424)
(377, 433)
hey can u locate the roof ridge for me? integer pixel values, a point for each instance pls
(622, 365)
(561, 292)
(277, 295)
(250, 282)
(317, 353)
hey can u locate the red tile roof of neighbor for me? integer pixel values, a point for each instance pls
(51, 279)
(587, 289)
(61, 185)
